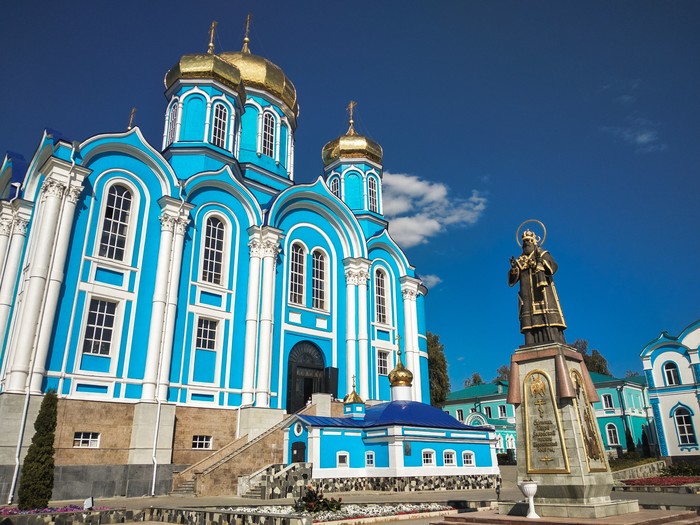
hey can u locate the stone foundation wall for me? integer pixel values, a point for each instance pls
(190, 421)
(642, 471)
(199, 517)
(407, 484)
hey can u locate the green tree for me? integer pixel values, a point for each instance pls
(502, 373)
(437, 370)
(474, 380)
(595, 362)
(36, 483)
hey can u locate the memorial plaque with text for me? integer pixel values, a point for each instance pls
(544, 439)
(588, 426)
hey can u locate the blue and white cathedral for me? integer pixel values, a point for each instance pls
(198, 273)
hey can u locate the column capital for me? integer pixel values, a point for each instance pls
(19, 225)
(180, 223)
(5, 227)
(167, 222)
(53, 188)
(73, 193)
(356, 277)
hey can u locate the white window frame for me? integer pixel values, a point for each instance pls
(487, 412)
(428, 457)
(684, 427)
(372, 195)
(211, 256)
(196, 346)
(202, 442)
(452, 461)
(219, 127)
(612, 434)
(319, 279)
(114, 328)
(382, 362)
(86, 440)
(672, 374)
(468, 458)
(381, 299)
(267, 134)
(607, 402)
(460, 414)
(335, 186)
(106, 229)
(339, 455)
(502, 412)
(369, 459)
(297, 271)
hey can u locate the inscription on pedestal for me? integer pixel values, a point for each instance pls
(588, 426)
(544, 439)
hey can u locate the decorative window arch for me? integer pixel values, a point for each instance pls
(318, 279)
(372, 194)
(380, 296)
(172, 123)
(220, 125)
(449, 458)
(213, 255)
(671, 374)
(685, 429)
(296, 274)
(428, 457)
(115, 224)
(335, 186)
(611, 431)
(268, 134)
(342, 459)
(468, 458)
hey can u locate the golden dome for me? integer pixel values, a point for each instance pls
(351, 146)
(400, 375)
(352, 397)
(259, 72)
(207, 66)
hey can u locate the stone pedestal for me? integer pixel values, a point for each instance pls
(558, 440)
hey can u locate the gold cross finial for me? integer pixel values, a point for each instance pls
(131, 119)
(212, 28)
(246, 39)
(353, 381)
(351, 110)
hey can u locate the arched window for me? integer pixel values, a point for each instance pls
(671, 374)
(611, 431)
(212, 260)
(268, 135)
(296, 275)
(448, 458)
(372, 194)
(684, 425)
(116, 223)
(468, 458)
(380, 296)
(172, 124)
(218, 134)
(318, 281)
(335, 187)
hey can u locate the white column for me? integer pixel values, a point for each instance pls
(277, 140)
(363, 333)
(354, 274)
(155, 334)
(179, 121)
(258, 138)
(251, 317)
(171, 309)
(207, 122)
(270, 250)
(58, 265)
(409, 290)
(10, 278)
(5, 232)
(24, 341)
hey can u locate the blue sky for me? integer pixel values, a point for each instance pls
(584, 115)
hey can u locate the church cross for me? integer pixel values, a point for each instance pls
(131, 118)
(351, 108)
(246, 39)
(212, 29)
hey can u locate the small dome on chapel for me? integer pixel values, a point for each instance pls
(351, 146)
(400, 375)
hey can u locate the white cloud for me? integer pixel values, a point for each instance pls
(430, 280)
(418, 209)
(640, 133)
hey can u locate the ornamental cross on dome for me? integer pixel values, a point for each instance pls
(351, 110)
(212, 29)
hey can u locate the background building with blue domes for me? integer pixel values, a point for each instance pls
(182, 295)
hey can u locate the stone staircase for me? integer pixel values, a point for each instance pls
(184, 489)
(643, 517)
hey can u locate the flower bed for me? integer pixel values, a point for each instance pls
(14, 511)
(664, 481)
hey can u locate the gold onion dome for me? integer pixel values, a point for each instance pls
(351, 146)
(400, 375)
(259, 72)
(353, 396)
(206, 66)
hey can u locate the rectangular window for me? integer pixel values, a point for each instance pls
(468, 459)
(501, 411)
(607, 401)
(460, 414)
(296, 275)
(383, 362)
(343, 459)
(380, 297)
(206, 334)
(487, 412)
(428, 458)
(201, 442)
(86, 440)
(369, 459)
(100, 327)
(268, 135)
(448, 458)
(318, 280)
(219, 128)
(116, 223)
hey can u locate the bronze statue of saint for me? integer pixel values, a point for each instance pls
(541, 318)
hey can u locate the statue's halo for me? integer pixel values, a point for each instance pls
(528, 221)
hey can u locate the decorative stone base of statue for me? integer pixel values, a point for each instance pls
(558, 440)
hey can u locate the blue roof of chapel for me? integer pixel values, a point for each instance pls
(406, 413)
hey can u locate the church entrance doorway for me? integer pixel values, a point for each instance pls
(305, 375)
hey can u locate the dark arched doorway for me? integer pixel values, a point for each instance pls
(305, 374)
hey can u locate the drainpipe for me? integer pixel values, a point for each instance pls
(27, 395)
